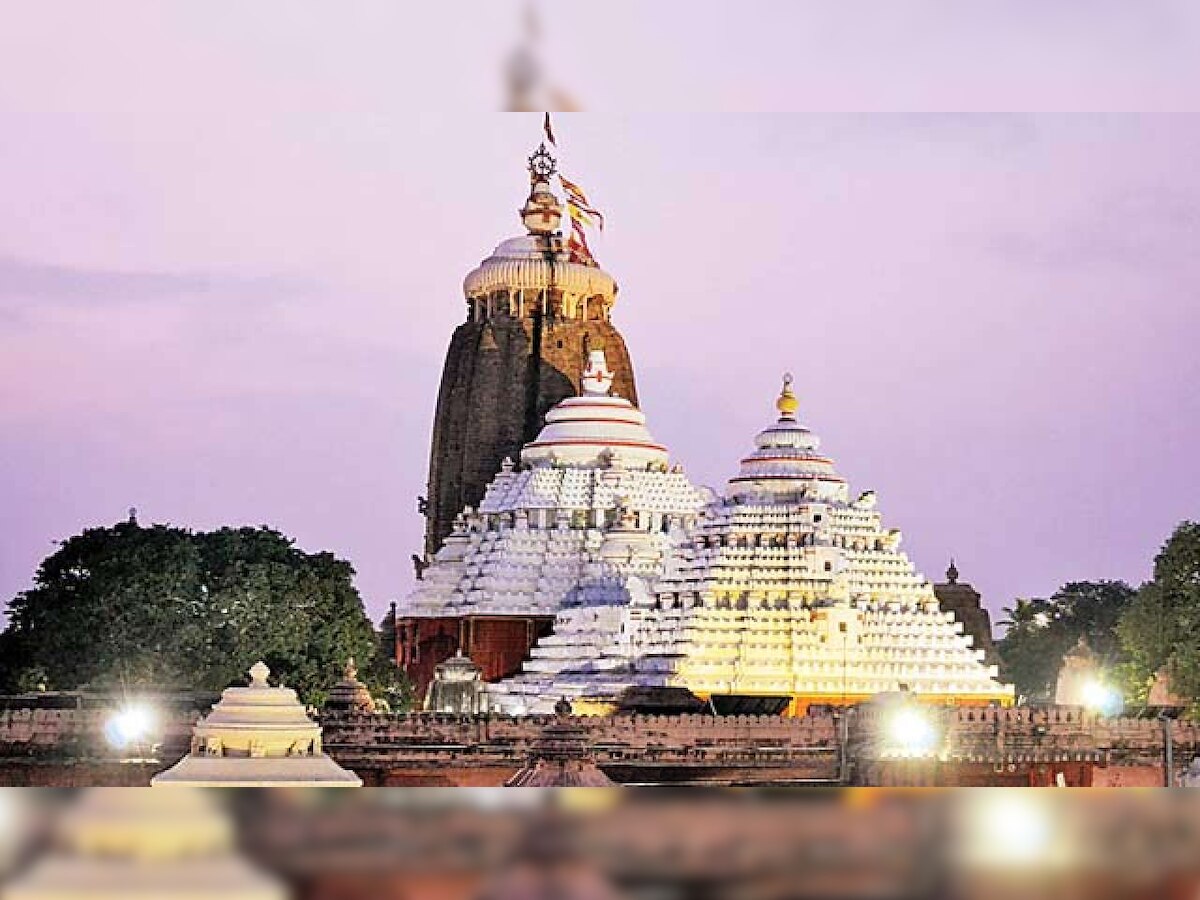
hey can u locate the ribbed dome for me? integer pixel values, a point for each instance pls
(786, 459)
(534, 262)
(596, 429)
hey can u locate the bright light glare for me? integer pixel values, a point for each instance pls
(1011, 827)
(910, 732)
(1101, 698)
(130, 725)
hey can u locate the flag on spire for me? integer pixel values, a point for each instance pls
(578, 204)
(577, 246)
(579, 209)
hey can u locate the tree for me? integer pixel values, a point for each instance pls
(129, 606)
(1042, 631)
(1161, 628)
(1028, 648)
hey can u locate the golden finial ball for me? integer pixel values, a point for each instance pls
(787, 404)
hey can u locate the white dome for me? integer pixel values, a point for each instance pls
(533, 262)
(595, 429)
(786, 460)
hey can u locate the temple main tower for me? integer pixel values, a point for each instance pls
(534, 313)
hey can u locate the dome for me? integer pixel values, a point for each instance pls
(350, 694)
(538, 260)
(785, 460)
(535, 262)
(596, 429)
(257, 736)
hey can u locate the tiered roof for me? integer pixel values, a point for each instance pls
(593, 502)
(784, 588)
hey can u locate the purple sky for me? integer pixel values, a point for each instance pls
(233, 253)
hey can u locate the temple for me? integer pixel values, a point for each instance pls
(534, 311)
(781, 594)
(586, 516)
(965, 602)
(570, 559)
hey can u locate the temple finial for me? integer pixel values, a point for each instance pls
(542, 213)
(787, 404)
(259, 673)
(952, 573)
(597, 378)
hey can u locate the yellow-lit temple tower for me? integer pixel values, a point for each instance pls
(782, 594)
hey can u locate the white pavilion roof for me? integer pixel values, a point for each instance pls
(593, 502)
(785, 587)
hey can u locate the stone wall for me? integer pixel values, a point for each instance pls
(981, 746)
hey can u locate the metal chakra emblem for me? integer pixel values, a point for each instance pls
(542, 164)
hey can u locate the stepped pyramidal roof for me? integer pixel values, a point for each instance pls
(593, 502)
(783, 588)
(569, 558)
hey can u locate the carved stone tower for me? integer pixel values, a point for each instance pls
(533, 314)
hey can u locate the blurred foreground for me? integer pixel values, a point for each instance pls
(431, 843)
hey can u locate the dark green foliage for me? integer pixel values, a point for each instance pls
(1042, 631)
(1161, 629)
(390, 687)
(165, 607)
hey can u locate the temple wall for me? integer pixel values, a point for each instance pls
(986, 746)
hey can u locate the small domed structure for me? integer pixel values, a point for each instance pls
(785, 463)
(595, 429)
(457, 688)
(257, 736)
(350, 695)
(561, 756)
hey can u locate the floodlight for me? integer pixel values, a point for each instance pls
(910, 731)
(1100, 697)
(129, 725)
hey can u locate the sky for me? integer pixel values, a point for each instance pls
(235, 240)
